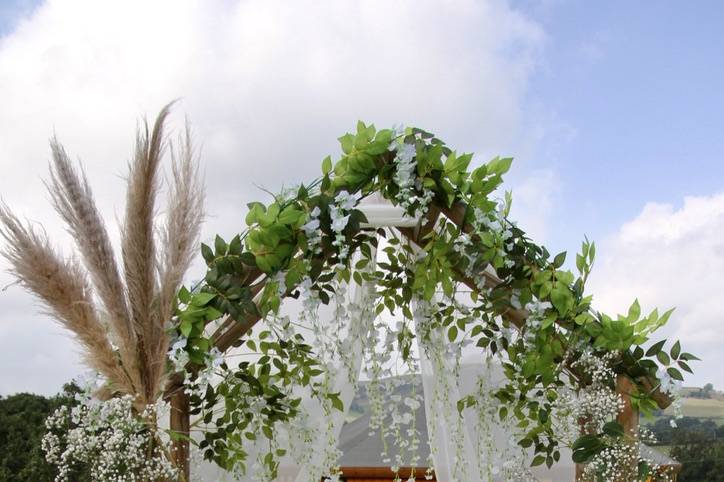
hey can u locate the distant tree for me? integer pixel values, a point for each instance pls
(705, 429)
(22, 426)
(708, 388)
(21, 429)
(702, 459)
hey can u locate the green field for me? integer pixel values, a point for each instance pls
(702, 408)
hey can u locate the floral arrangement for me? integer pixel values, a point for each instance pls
(109, 440)
(466, 277)
(521, 307)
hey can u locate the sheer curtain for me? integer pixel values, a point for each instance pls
(318, 428)
(451, 443)
(473, 446)
(346, 376)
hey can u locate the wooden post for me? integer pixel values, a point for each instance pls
(628, 418)
(582, 422)
(180, 424)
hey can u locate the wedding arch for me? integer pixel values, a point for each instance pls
(313, 241)
(397, 261)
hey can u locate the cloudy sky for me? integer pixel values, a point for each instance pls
(614, 116)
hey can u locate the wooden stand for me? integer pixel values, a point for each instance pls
(180, 424)
(628, 418)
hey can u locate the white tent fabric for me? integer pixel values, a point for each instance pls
(485, 449)
(318, 426)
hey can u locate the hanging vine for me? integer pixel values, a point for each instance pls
(528, 311)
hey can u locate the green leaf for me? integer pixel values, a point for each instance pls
(548, 321)
(202, 299)
(326, 165)
(613, 429)
(675, 350)
(562, 298)
(675, 374)
(361, 128)
(685, 366)
(559, 260)
(538, 460)
(256, 209)
(665, 317)
(663, 358)
(290, 215)
(545, 289)
(586, 447)
(347, 143)
(183, 295)
(207, 253)
(248, 258)
(503, 413)
(499, 165)
(220, 245)
(655, 348)
(336, 402)
(235, 245)
(452, 333)
(185, 328)
(634, 311)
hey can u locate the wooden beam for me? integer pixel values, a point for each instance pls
(629, 416)
(180, 424)
(225, 340)
(231, 330)
(381, 473)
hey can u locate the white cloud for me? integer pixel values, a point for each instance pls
(269, 85)
(534, 198)
(671, 257)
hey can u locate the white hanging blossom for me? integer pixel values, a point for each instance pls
(179, 358)
(407, 181)
(312, 231)
(339, 213)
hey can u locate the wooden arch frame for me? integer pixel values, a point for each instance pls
(231, 331)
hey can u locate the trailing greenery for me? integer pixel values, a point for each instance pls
(310, 238)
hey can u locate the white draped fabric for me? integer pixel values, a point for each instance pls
(307, 448)
(473, 447)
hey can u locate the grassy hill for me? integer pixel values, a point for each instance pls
(708, 408)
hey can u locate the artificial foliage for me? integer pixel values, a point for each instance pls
(310, 241)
